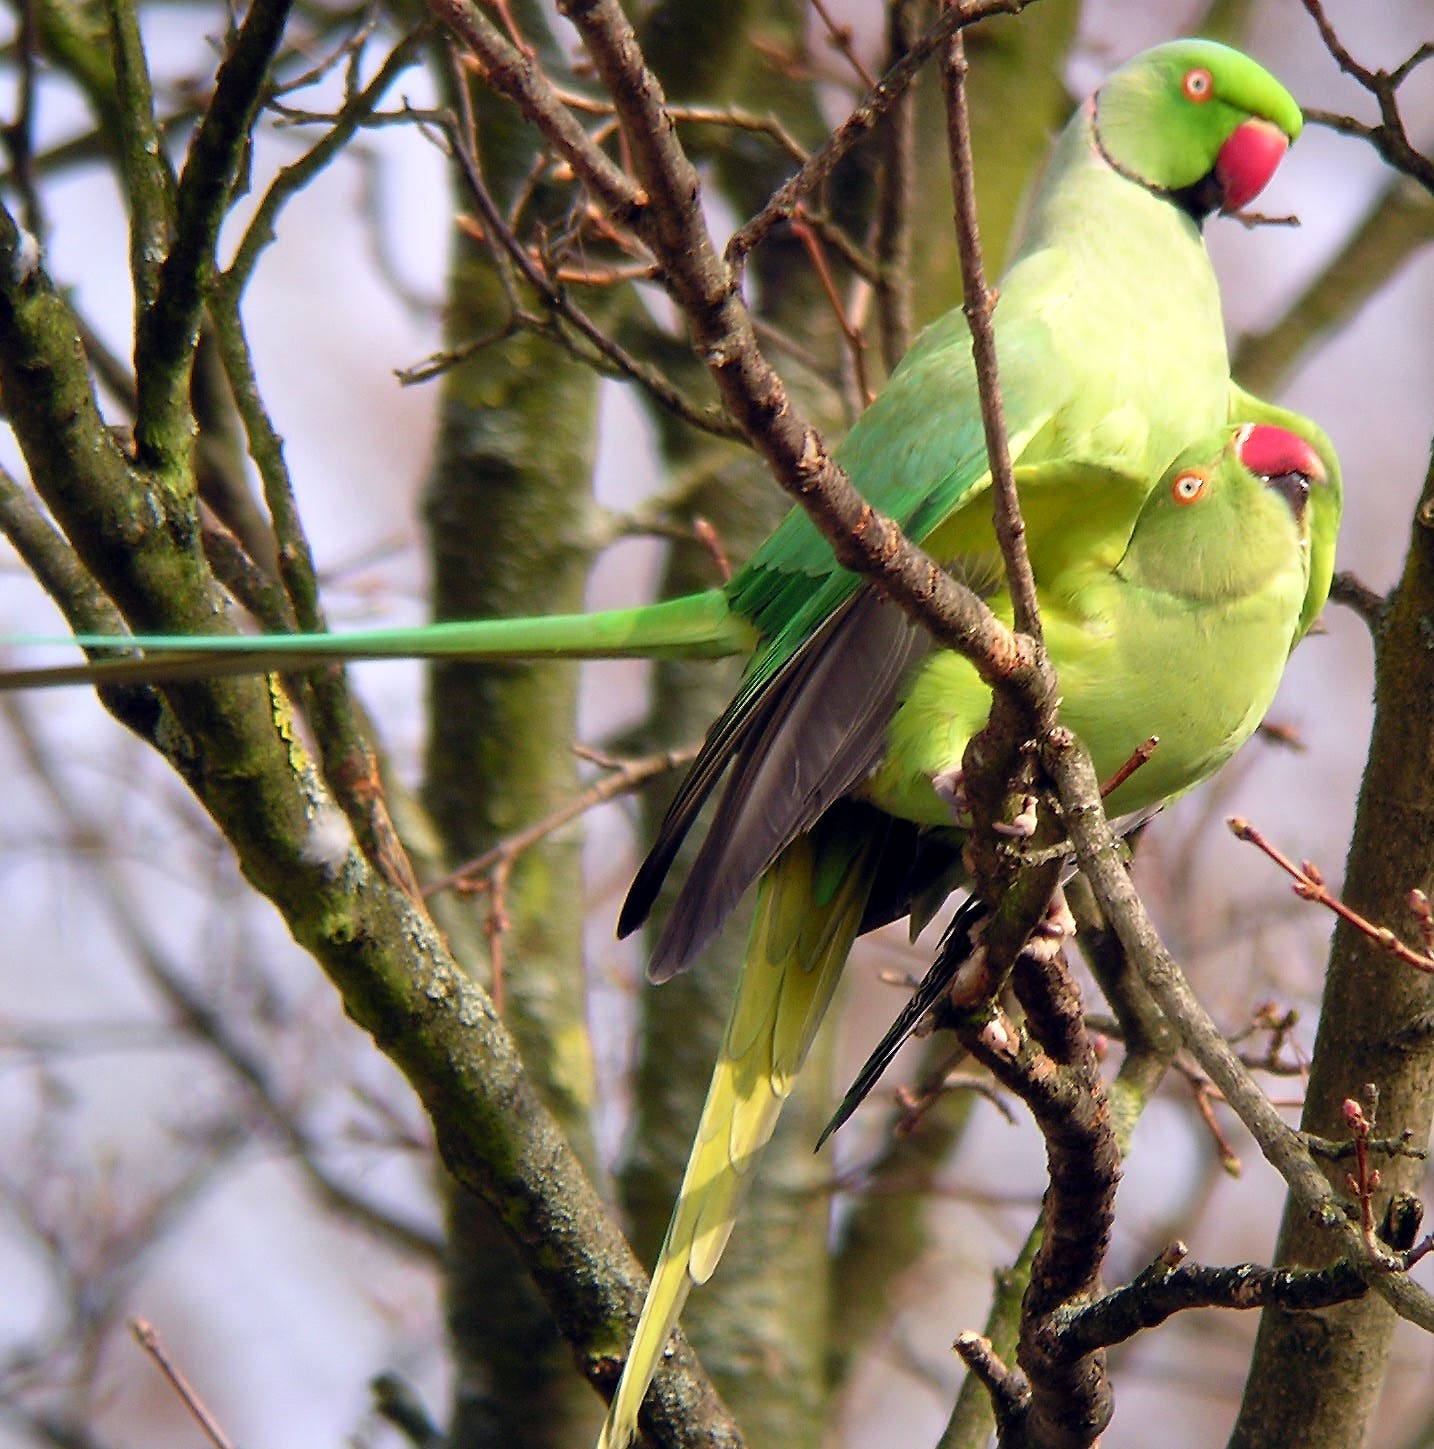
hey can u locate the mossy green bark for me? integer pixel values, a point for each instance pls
(508, 508)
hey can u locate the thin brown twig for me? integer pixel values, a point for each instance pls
(706, 535)
(615, 356)
(511, 26)
(732, 117)
(624, 777)
(495, 927)
(861, 262)
(1389, 137)
(855, 339)
(915, 1102)
(1139, 756)
(1424, 915)
(1205, 1094)
(980, 302)
(1252, 220)
(859, 124)
(1363, 1182)
(894, 199)
(1310, 886)
(839, 36)
(862, 539)
(148, 1340)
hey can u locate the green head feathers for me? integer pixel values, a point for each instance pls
(1226, 517)
(1197, 120)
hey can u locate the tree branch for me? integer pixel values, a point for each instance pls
(1169, 1286)
(1097, 852)
(166, 334)
(862, 121)
(147, 178)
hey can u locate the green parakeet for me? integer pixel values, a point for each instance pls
(1181, 628)
(1113, 358)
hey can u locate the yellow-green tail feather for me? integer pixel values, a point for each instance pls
(801, 936)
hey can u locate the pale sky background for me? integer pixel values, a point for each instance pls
(280, 1317)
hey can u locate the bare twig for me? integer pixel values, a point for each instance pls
(1363, 1182)
(839, 35)
(1310, 886)
(19, 135)
(1099, 857)
(861, 122)
(705, 534)
(856, 342)
(1354, 593)
(624, 777)
(894, 198)
(614, 358)
(1139, 756)
(980, 302)
(1204, 1094)
(1389, 138)
(148, 1340)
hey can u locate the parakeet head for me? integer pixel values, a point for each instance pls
(1198, 121)
(1228, 516)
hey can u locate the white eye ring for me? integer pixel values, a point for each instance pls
(1198, 84)
(1188, 488)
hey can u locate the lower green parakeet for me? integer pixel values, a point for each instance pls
(1180, 629)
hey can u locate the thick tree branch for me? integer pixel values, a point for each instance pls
(1059, 1080)
(1098, 855)
(1169, 1286)
(168, 329)
(233, 744)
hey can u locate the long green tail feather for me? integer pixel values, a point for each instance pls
(696, 626)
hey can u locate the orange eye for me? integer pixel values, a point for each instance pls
(1188, 488)
(1197, 84)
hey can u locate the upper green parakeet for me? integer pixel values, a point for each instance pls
(1113, 359)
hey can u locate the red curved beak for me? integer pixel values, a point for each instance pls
(1247, 160)
(1268, 451)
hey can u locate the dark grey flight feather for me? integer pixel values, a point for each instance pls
(956, 948)
(815, 732)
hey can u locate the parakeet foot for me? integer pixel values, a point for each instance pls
(950, 786)
(1023, 826)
